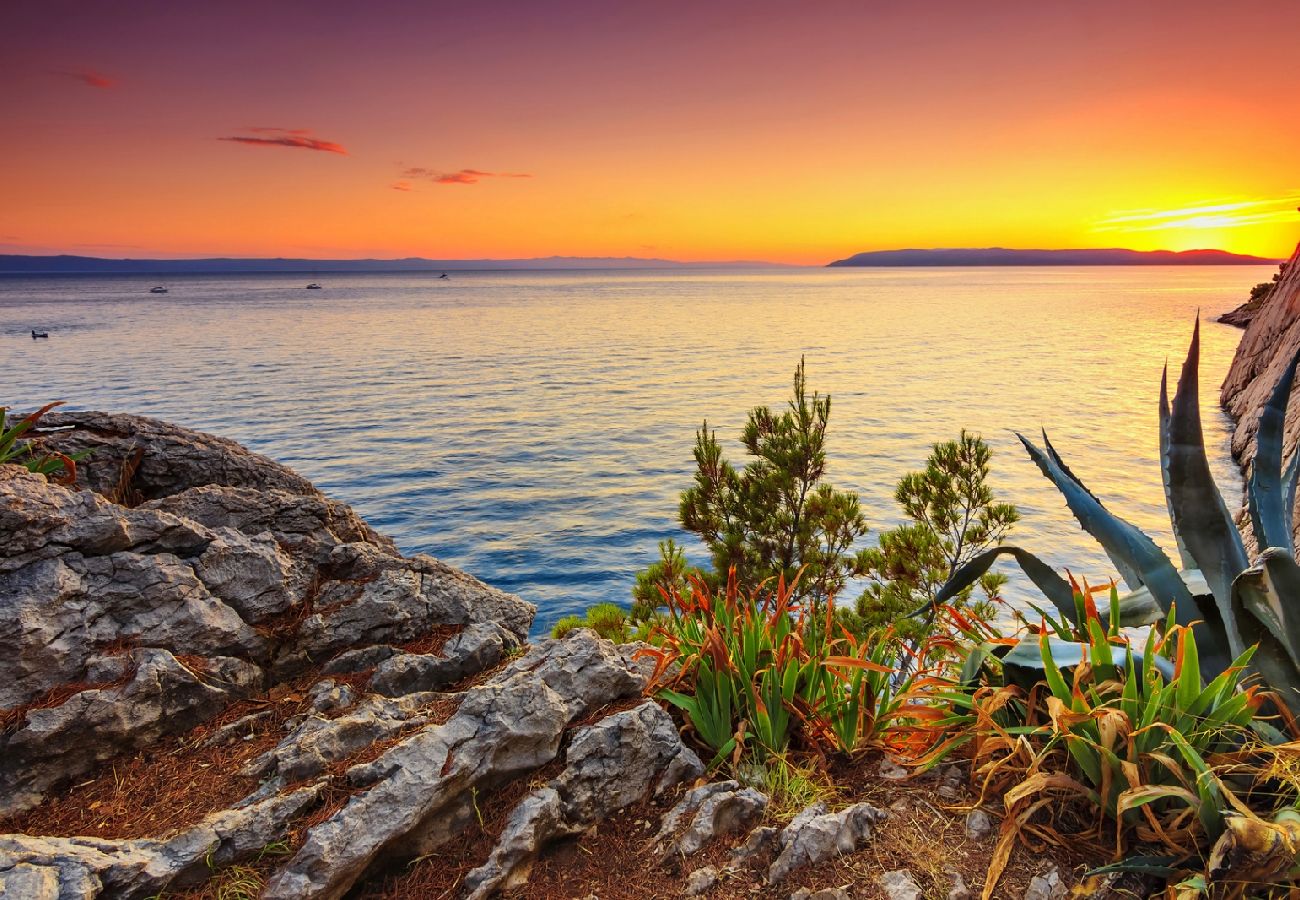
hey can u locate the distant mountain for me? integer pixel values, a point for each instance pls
(72, 265)
(999, 256)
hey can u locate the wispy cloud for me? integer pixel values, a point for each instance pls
(295, 138)
(464, 176)
(401, 185)
(89, 77)
(1210, 214)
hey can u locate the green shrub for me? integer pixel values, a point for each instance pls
(567, 626)
(776, 517)
(953, 519)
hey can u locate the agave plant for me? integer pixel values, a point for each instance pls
(1232, 604)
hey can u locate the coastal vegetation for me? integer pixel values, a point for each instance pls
(60, 468)
(1159, 720)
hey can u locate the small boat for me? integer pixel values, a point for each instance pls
(443, 275)
(39, 334)
(158, 289)
(313, 286)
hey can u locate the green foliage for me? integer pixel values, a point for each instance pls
(1138, 736)
(954, 518)
(58, 467)
(1231, 604)
(567, 625)
(792, 787)
(754, 670)
(609, 620)
(671, 573)
(776, 518)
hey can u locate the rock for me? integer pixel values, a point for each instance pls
(979, 825)
(891, 771)
(900, 885)
(815, 835)
(952, 783)
(959, 889)
(163, 695)
(152, 596)
(132, 869)
(716, 809)
(1047, 886)
(838, 893)
(480, 646)
(229, 572)
(610, 765)
(722, 814)
(761, 840)
(362, 659)
(326, 696)
(419, 793)
(1267, 347)
(315, 743)
(701, 881)
(27, 882)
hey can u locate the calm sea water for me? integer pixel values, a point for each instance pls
(536, 428)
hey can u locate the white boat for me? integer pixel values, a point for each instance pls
(158, 289)
(313, 286)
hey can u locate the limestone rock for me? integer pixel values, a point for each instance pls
(162, 695)
(901, 885)
(186, 547)
(979, 825)
(836, 893)
(1047, 886)
(1267, 347)
(419, 791)
(959, 889)
(701, 881)
(815, 835)
(131, 869)
(761, 840)
(479, 646)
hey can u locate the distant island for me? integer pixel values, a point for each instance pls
(92, 265)
(1000, 256)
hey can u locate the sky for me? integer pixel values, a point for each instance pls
(790, 132)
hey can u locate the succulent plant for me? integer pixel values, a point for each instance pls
(1233, 603)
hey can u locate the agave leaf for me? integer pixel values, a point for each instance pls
(1183, 555)
(1024, 666)
(1263, 601)
(1288, 503)
(1198, 509)
(1265, 493)
(1108, 529)
(1124, 541)
(1044, 577)
(1140, 604)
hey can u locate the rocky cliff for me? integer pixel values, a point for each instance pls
(1271, 340)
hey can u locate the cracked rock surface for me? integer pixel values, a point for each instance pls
(182, 573)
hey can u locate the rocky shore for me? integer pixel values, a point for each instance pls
(219, 682)
(1271, 340)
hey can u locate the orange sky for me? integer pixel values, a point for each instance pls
(755, 130)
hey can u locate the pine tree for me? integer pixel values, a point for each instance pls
(953, 519)
(776, 516)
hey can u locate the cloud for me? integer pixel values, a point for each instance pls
(90, 78)
(296, 138)
(401, 185)
(464, 176)
(1210, 214)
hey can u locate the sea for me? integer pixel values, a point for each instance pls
(535, 428)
